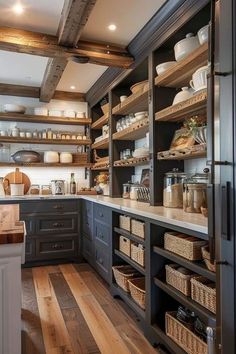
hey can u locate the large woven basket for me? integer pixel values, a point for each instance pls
(206, 256)
(182, 336)
(124, 222)
(185, 246)
(138, 253)
(178, 280)
(122, 274)
(138, 228)
(105, 108)
(203, 294)
(124, 245)
(137, 291)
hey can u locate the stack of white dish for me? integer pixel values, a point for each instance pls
(140, 115)
(42, 111)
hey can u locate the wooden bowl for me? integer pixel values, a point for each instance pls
(138, 86)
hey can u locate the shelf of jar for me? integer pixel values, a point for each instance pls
(134, 161)
(180, 111)
(136, 102)
(135, 131)
(18, 140)
(180, 73)
(98, 124)
(102, 144)
(195, 151)
(42, 164)
(31, 118)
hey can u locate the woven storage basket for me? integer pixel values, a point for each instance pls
(138, 228)
(138, 253)
(80, 157)
(105, 108)
(137, 291)
(124, 273)
(185, 246)
(124, 245)
(125, 222)
(181, 335)
(178, 280)
(206, 256)
(203, 294)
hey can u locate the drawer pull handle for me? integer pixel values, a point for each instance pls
(101, 215)
(56, 246)
(58, 206)
(100, 260)
(58, 224)
(100, 235)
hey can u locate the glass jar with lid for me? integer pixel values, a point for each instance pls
(195, 192)
(4, 153)
(173, 189)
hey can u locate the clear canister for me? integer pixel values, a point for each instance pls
(173, 189)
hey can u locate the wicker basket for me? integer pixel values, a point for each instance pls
(105, 108)
(138, 253)
(203, 294)
(137, 291)
(125, 222)
(138, 228)
(181, 335)
(185, 246)
(80, 157)
(124, 273)
(124, 245)
(206, 256)
(178, 280)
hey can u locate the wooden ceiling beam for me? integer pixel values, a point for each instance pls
(34, 92)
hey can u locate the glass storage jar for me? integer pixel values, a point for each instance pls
(126, 190)
(195, 192)
(173, 189)
(4, 153)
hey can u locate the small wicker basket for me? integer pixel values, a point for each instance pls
(137, 291)
(182, 336)
(206, 256)
(138, 228)
(124, 273)
(202, 293)
(124, 222)
(138, 253)
(185, 246)
(178, 280)
(124, 245)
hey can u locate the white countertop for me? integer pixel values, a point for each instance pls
(177, 217)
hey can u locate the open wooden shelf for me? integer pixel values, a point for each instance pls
(42, 164)
(135, 131)
(102, 144)
(98, 124)
(127, 259)
(197, 266)
(180, 73)
(31, 118)
(134, 161)
(129, 235)
(195, 151)
(104, 167)
(9, 139)
(180, 111)
(206, 315)
(137, 102)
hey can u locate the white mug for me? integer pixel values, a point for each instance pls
(199, 79)
(123, 98)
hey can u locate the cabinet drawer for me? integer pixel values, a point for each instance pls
(102, 233)
(58, 248)
(102, 261)
(49, 206)
(87, 208)
(87, 250)
(57, 225)
(102, 213)
(88, 227)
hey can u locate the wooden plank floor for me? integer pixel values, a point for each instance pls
(67, 309)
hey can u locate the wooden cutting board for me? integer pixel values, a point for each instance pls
(16, 177)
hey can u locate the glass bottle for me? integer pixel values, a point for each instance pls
(72, 184)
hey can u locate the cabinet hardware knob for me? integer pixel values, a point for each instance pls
(58, 207)
(57, 224)
(101, 214)
(222, 262)
(56, 246)
(100, 260)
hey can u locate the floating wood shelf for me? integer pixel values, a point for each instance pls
(100, 168)
(185, 109)
(129, 235)
(136, 102)
(98, 124)
(42, 164)
(192, 152)
(30, 118)
(135, 131)
(18, 140)
(134, 161)
(102, 144)
(180, 73)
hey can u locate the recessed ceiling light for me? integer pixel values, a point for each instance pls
(18, 8)
(72, 87)
(112, 27)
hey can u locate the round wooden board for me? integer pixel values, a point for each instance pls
(11, 177)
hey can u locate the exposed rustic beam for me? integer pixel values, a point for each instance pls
(33, 91)
(45, 45)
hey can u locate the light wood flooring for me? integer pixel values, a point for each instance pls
(67, 309)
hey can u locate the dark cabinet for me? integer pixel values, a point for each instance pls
(58, 248)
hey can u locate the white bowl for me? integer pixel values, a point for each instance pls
(182, 95)
(55, 113)
(80, 114)
(203, 34)
(161, 68)
(51, 157)
(14, 108)
(123, 98)
(186, 46)
(40, 111)
(199, 79)
(140, 113)
(66, 157)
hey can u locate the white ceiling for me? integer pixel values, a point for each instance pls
(44, 16)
